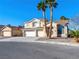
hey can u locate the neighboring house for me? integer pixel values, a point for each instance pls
(1, 26)
(35, 28)
(9, 31)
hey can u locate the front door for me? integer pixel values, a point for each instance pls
(59, 30)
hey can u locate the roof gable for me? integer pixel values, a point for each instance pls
(36, 19)
(6, 28)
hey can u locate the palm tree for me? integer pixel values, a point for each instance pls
(42, 6)
(52, 4)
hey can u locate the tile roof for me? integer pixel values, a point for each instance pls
(41, 19)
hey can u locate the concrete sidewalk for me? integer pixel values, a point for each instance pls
(56, 39)
(3, 37)
(36, 40)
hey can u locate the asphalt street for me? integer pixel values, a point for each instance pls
(21, 50)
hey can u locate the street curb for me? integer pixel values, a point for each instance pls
(48, 42)
(59, 43)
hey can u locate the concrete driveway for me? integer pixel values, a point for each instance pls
(19, 38)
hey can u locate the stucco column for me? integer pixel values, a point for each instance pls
(64, 34)
(54, 30)
(23, 31)
(44, 32)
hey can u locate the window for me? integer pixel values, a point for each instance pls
(35, 24)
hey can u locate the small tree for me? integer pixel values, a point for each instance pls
(75, 34)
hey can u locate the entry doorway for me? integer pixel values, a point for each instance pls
(59, 30)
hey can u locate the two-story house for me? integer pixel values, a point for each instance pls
(35, 28)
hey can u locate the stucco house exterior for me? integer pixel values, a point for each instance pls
(9, 31)
(35, 28)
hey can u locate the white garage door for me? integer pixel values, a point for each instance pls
(30, 33)
(7, 34)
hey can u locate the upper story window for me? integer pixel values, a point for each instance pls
(26, 25)
(35, 24)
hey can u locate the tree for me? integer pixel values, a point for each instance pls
(42, 6)
(52, 4)
(63, 18)
(20, 26)
(9, 25)
(74, 27)
(75, 34)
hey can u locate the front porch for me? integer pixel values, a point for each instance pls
(58, 30)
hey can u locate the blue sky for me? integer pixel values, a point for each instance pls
(16, 12)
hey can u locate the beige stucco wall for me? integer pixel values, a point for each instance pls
(54, 30)
(64, 34)
(41, 23)
(30, 24)
(40, 33)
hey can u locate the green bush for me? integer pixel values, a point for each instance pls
(75, 33)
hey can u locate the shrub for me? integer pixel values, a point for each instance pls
(75, 34)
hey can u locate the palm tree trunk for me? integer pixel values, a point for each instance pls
(45, 28)
(51, 18)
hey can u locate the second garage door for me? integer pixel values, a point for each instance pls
(30, 33)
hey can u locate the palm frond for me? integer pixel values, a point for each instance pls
(41, 5)
(52, 3)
